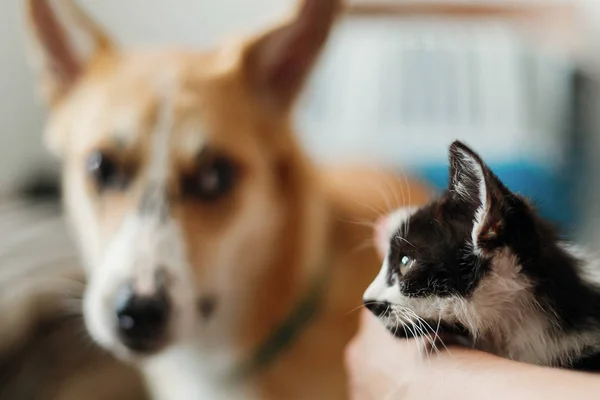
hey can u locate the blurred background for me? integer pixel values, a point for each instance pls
(400, 80)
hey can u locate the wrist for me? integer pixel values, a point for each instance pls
(465, 372)
(471, 374)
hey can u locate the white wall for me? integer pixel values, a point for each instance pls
(134, 22)
(20, 114)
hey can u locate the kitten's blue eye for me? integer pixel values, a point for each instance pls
(406, 264)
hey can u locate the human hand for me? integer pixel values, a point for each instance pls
(380, 366)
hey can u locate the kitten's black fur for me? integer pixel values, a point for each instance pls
(479, 239)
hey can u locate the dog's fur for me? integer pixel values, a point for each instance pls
(256, 250)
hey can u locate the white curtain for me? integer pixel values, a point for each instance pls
(401, 91)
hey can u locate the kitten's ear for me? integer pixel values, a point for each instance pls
(468, 175)
(472, 181)
(278, 63)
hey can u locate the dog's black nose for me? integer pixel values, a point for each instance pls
(142, 321)
(378, 308)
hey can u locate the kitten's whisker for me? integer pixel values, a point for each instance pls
(417, 332)
(401, 323)
(364, 305)
(428, 328)
(378, 212)
(434, 339)
(356, 309)
(437, 330)
(366, 224)
(397, 202)
(424, 328)
(409, 197)
(381, 190)
(406, 204)
(370, 242)
(397, 323)
(411, 331)
(402, 186)
(424, 336)
(405, 240)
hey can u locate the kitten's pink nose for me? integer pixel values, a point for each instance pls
(382, 235)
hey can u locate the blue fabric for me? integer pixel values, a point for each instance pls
(549, 190)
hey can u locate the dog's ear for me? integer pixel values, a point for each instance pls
(64, 40)
(278, 62)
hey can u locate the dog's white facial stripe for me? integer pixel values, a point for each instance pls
(149, 248)
(161, 150)
(154, 207)
(193, 140)
(126, 124)
(153, 202)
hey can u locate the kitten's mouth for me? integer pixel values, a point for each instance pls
(447, 332)
(409, 329)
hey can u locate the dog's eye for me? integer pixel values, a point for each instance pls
(213, 179)
(406, 263)
(106, 171)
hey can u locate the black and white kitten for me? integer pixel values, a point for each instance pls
(479, 262)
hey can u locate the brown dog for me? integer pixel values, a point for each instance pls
(220, 261)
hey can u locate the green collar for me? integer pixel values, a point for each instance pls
(287, 331)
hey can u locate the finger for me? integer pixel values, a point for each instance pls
(351, 353)
(365, 323)
(371, 325)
